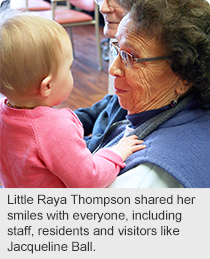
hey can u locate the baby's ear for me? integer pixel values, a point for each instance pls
(45, 87)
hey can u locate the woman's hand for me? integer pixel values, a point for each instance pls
(128, 145)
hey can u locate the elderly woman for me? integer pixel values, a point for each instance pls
(162, 77)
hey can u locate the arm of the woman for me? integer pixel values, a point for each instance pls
(145, 176)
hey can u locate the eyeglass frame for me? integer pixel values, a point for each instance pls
(99, 2)
(115, 45)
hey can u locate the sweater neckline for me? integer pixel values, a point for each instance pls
(139, 118)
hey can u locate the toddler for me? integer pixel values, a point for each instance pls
(41, 146)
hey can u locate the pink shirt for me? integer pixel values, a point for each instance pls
(44, 148)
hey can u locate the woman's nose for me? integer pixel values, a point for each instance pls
(117, 67)
(105, 7)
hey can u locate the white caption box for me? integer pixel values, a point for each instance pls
(104, 223)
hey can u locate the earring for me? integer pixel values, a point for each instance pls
(175, 101)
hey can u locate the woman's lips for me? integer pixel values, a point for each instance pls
(119, 91)
(112, 23)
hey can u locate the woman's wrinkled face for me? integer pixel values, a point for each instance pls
(145, 86)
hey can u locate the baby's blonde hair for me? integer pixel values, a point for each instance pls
(30, 50)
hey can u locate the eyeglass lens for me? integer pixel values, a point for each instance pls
(114, 50)
(100, 2)
(126, 58)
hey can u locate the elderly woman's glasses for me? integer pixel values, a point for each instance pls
(128, 58)
(100, 2)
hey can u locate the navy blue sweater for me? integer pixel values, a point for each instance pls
(180, 146)
(98, 118)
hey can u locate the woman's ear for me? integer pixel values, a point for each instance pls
(45, 87)
(183, 87)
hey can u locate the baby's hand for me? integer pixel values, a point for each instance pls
(128, 145)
